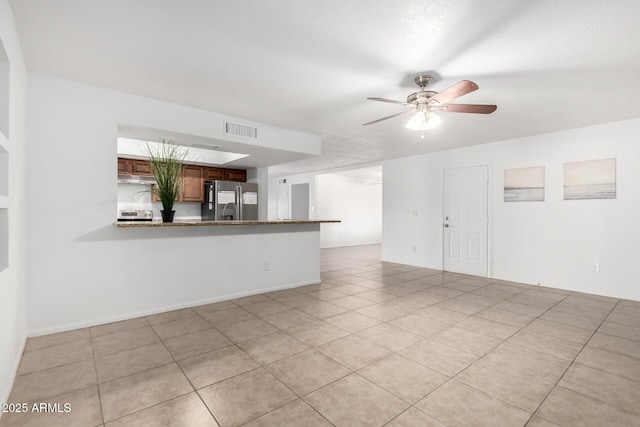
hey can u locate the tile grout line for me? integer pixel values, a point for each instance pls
(148, 407)
(182, 370)
(152, 368)
(503, 341)
(334, 381)
(539, 317)
(55, 366)
(570, 365)
(483, 356)
(298, 397)
(397, 354)
(145, 370)
(95, 369)
(616, 352)
(260, 366)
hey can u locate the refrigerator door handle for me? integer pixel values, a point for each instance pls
(239, 192)
(218, 213)
(210, 200)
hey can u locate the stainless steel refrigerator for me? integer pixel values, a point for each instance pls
(230, 201)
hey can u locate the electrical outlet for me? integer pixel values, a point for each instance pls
(267, 266)
(596, 267)
(413, 248)
(414, 213)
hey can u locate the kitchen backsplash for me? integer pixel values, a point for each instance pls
(134, 197)
(138, 197)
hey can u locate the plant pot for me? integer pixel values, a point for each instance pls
(167, 216)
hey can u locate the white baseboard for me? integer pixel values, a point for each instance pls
(128, 316)
(349, 245)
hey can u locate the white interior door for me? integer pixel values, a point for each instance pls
(465, 220)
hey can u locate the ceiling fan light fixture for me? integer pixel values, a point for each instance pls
(423, 120)
(423, 101)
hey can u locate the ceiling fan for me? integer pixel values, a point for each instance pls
(424, 102)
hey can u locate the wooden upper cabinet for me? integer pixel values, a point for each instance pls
(213, 173)
(124, 166)
(192, 180)
(235, 175)
(225, 174)
(141, 167)
(192, 184)
(134, 167)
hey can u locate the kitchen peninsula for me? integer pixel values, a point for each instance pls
(196, 223)
(209, 253)
(155, 267)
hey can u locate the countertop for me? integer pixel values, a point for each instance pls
(196, 223)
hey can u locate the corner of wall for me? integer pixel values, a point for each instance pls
(13, 279)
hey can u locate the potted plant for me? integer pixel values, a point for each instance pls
(166, 160)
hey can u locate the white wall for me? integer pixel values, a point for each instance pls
(130, 272)
(279, 201)
(357, 203)
(555, 242)
(86, 271)
(13, 279)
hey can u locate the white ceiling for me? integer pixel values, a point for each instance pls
(309, 65)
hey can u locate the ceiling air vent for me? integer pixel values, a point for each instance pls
(240, 130)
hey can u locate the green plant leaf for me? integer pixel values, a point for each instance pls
(166, 162)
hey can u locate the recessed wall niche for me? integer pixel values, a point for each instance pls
(4, 92)
(4, 157)
(4, 127)
(4, 238)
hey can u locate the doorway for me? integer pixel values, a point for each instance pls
(300, 201)
(465, 220)
(283, 201)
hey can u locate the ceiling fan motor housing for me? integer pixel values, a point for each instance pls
(423, 80)
(422, 96)
(419, 97)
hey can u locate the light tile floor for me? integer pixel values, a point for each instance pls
(374, 344)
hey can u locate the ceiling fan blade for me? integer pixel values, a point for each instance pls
(391, 101)
(467, 108)
(388, 117)
(452, 92)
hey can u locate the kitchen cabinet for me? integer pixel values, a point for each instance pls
(235, 175)
(192, 188)
(141, 168)
(191, 185)
(124, 166)
(192, 180)
(213, 173)
(134, 167)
